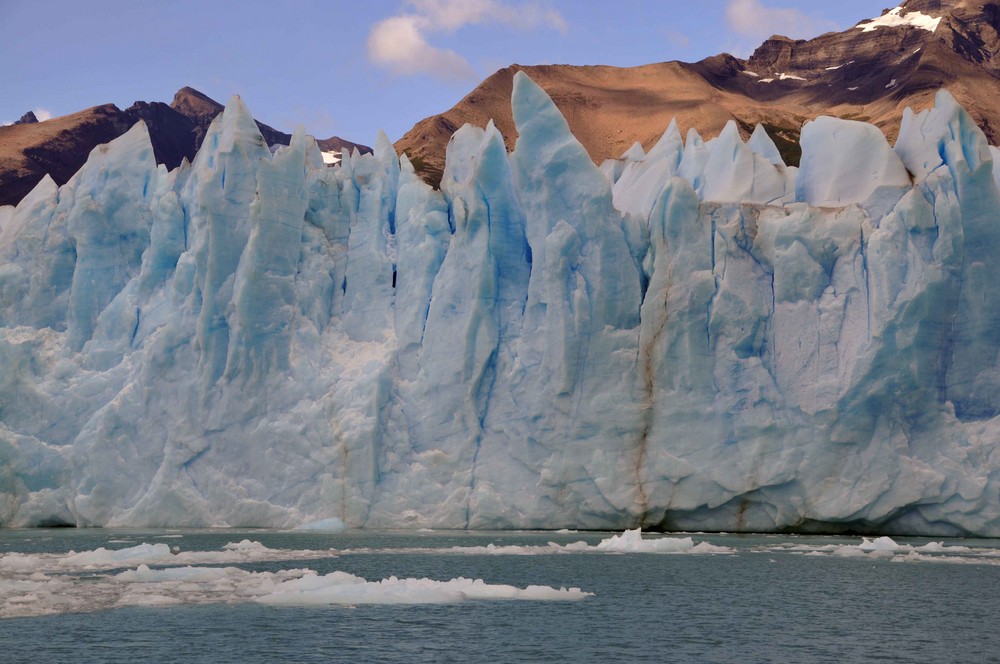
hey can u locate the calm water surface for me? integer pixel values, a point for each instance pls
(762, 603)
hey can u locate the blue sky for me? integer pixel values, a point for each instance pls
(352, 68)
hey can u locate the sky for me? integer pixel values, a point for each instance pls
(351, 68)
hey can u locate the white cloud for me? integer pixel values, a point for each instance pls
(677, 38)
(400, 44)
(752, 19)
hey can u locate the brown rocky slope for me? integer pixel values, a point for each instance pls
(861, 74)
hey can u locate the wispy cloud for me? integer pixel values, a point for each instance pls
(677, 38)
(753, 20)
(451, 15)
(400, 43)
(317, 121)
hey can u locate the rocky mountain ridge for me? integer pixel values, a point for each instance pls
(60, 146)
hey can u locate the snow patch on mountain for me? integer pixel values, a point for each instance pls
(894, 18)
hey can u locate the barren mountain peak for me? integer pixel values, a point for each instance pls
(188, 91)
(191, 102)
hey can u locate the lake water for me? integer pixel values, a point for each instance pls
(715, 598)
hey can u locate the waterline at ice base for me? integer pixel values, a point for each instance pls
(697, 337)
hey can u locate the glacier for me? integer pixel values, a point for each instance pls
(693, 338)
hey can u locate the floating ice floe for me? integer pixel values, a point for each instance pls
(101, 558)
(344, 588)
(630, 541)
(38, 593)
(888, 548)
(43, 584)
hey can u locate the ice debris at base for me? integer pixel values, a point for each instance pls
(37, 584)
(631, 541)
(49, 583)
(693, 337)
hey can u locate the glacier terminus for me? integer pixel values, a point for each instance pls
(698, 337)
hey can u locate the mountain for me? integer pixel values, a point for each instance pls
(870, 72)
(60, 146)
(202, 109)
(697, 337)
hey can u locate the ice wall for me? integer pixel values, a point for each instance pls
(695, 337)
